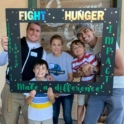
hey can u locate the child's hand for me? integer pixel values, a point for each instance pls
(87, 69)
(49, 78)
(80, 72)
(32, 93)
(50, 93)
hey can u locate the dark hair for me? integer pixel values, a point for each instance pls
(76, 42)
(56, 36)
(41, 62)
(39, 24)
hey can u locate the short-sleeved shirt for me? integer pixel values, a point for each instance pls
(60, 67)
(118, 81)
(40, 108)
(86, 59)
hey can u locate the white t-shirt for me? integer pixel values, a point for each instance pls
(40, 108)
(95, 51)
(118, 81)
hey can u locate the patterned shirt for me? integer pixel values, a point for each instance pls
(40, 108)
(86, 59)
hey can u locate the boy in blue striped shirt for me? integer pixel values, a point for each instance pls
(40, 110)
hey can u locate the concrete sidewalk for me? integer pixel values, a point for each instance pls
(21, 121)
(61, 121)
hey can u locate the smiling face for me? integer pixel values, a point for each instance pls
(56, 47)
(33, 33)
(85, 35)
(78, 49)
(40, 71)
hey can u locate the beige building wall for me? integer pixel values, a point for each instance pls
(23, 4)
(3, 5)
(122, 30)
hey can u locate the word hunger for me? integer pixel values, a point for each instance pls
(84, 15)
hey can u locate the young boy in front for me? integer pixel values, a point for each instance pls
(82, 58)
(40, 109)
